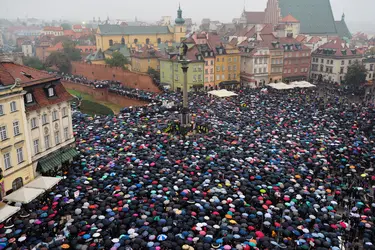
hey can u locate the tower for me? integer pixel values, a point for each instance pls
(343, 17)
(179, 27)
(272, 12)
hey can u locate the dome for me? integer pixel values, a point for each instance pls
(179, 20)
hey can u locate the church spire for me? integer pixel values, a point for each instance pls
(343, 17)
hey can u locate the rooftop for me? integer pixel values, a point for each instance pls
(111, 29)
(336, 47)
(289, 19)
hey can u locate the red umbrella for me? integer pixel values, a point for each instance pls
(259, 234)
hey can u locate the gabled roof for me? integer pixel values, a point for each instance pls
(289, 19)
(122, 48)
(77, 27)
(146, 53)
(98, 55)
(301, 38)
(52, 28)
(109, 29)
(314, 39)
(315, 16)
(9, 72)
(191, 54)
(255, 17)
(342, 29)
(336, 47)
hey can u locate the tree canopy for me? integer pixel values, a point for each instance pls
(66, 26)
(71, 51)
(356, 74)
(153, 73)
(33, 62)
(117, 60)
(60, 60)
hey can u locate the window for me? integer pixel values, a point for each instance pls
(223, 68)
(1, 110)
(211, 71)
(206, 63)
(19, 155)
(256, 61)
(217, 77)
(13, 107)
(217, 68)
(235, 67)
(135, 40)
(218, 59)
(123, 41)
(46, 141)
(57, 137)
(199, 77)
(159, 40)
(222, 59)
(229, 76)
(206, 71)
(44, 119)
(322, 60)
(222, 77)
(64, 112)
(350, 62)
(36, 146)
(229, 68)
(206, 79)
(3, 133)
(371, 67)
(29, 98)
(212, 62)
(235, 59)
(285, 71)
(295, 70)
(66, 133)
(17, 183)
(110, 42)
(289, 70)
(7, 163)
(331, 61)
(16, 128)
(230, 59)
(234, 76)
(55, 115)
(342, 70)
(147, 41)
(51, 92)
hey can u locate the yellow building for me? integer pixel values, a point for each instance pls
(15, 158)
(227, 64)
(144, 59)
(107, 34)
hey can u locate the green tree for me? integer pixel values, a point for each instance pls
(117, 60)
(60, 60)
(356, 74)
(33, 62)
(153, 73)
(66, 26)
(71, 51)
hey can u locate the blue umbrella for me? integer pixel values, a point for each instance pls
(86, 236)
(162, 237)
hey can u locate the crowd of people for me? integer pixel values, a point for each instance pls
(113, 86)
(273, 170)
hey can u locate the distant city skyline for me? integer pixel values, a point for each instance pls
(358, 15)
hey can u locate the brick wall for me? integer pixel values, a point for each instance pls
(103, 95)
(104, 72)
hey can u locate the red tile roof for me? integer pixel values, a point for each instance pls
(77, 27)
(191, 54)
(314, 39)
(300, 38)
(41, 99)
(52, 28)
(255, 17)
(289, 19)
(34, 80)
(339, 46)
(147, 52)
(267, 29)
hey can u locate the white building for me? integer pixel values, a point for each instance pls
(330, 61)
(27, 49)
(370, 66)
(254, 66)
(52, 30)
(1, 40)
(48, 118)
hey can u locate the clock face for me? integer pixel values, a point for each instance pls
(56, 126)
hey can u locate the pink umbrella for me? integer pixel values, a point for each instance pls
(259, 234)
(227, 247)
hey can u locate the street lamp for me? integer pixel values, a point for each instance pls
(185, 117)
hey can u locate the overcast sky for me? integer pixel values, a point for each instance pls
(356, 11)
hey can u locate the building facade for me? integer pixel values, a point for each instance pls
(254, 66)
(297, 57)
(144, 59)
(330, 61)
(27, 49)
(370, 67)
(107, 35)
(15, 163)
(48, 118)
(171, 73)
(52, 31)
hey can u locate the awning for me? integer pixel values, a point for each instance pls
(56, 159)
(24, 195)
(43, 182)
(222, 93)
(7, 211)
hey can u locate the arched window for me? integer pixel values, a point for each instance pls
(180, 30)
(17, 183)
(147, 41)
(135, 40)
(159, 40)
(123, 41)
(110, 42)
